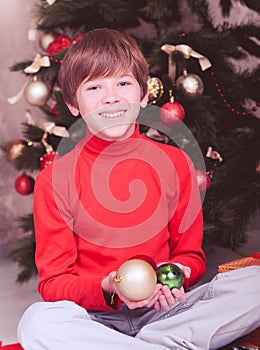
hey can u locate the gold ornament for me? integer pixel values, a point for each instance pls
(189, 85)
(213, 154)
(37, 93)
(14, 149)
(136, 279)
(155, 89)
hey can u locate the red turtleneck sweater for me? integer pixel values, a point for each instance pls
(105, 202)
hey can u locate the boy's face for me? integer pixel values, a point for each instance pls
(110, 105)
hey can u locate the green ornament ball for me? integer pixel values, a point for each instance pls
(170, 275)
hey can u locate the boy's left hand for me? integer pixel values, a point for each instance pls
(168, 297)
(148, 302)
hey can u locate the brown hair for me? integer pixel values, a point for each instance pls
(100, 53)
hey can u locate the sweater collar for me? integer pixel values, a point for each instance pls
(94, 145)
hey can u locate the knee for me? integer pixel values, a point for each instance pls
(35, 320)
(31, 322)
(40, 318)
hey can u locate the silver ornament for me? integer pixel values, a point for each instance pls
(135, 279)
(190, 85)
(45, 40)
(37, 93)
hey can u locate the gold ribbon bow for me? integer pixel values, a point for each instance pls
(38, 62)
(187, 52)
(51, 128)
(213, 154)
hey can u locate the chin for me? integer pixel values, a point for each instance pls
(116, 133)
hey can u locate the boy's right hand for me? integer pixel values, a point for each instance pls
(109, 286)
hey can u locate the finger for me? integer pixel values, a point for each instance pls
(157, 306)
(185, 269)
(163, 303)
(179, 294)
(153, 300)
(168, 295)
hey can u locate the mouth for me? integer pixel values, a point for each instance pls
(112, 115)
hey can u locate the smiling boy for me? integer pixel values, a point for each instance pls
(117, 195)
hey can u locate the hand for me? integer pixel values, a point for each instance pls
(168, 297)
(109, 286)
(148, 302)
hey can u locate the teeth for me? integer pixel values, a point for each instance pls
(112, 115)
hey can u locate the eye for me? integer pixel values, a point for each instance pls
(94, 87)
(124, 83)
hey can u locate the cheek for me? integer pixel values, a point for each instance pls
(85, 105)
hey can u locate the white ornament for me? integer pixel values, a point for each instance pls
(136, 279)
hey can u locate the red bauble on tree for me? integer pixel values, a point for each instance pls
(24, 184)
(203, 180)
(172, 112)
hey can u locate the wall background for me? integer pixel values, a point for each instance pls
(15, 19)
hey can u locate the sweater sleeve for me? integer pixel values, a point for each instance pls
(56, 249)
(186, 223)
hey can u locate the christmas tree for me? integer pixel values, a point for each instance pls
(192, 79)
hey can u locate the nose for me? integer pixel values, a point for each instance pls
(110, 95)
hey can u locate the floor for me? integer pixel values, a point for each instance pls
(15, 298)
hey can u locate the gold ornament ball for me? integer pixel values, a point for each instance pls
(136, 279)
(37, 93)
(14, 149)
(190, 85)
(155, 89)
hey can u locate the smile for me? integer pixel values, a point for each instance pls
(112, 115)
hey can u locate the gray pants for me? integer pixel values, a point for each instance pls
(214, 314)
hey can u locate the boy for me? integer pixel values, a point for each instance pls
(118, 195)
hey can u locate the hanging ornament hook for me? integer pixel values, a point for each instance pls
(187, 52)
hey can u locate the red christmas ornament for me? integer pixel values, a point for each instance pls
(62, 42)
(24, 184)
(203, 180)
(48, 159)
(172, 113)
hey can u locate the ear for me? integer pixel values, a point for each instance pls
(144, 100)
(74, 110)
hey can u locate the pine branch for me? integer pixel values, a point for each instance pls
(200, 8)
(252, 4)
(32, 132)
(29, 159)
(226, 6)
(19, 66)
(26, 223)
(23, 255)
(82, 15)
(24, 250)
